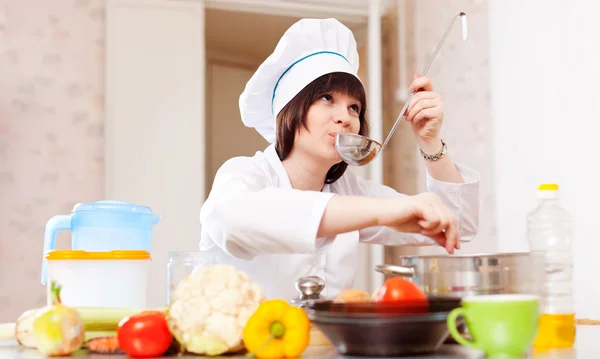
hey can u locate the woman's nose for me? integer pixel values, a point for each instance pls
(341, 116)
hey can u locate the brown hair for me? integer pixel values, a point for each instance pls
(293, 115)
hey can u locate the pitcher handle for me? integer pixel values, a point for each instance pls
(55, 224)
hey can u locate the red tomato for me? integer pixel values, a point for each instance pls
(398, 289)
(144, 335)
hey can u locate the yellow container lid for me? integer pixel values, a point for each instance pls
(75, 255)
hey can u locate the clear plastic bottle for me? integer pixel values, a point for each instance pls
(549, 232)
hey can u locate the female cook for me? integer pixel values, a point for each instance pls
(294, 209)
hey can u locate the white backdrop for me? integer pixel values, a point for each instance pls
(546, 116)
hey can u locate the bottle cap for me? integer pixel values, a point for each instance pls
(548, 187)
(548, 191)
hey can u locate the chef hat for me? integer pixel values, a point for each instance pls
(307, 50)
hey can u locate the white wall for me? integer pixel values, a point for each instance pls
(546, 121)
(155, 120)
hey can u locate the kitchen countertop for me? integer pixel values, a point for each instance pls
(587, 346)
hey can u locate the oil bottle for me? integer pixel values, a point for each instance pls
(549, 233)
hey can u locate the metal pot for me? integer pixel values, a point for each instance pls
(465, 274)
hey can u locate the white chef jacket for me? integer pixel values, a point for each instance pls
(254, 220)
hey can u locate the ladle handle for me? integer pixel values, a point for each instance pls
(397, 121)
(437, 49)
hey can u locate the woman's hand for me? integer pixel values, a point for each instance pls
(425, 112)
(425, 214)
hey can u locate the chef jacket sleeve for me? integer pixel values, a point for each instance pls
(461, 198)
(246, 215)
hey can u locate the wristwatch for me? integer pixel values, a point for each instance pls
(436, 156)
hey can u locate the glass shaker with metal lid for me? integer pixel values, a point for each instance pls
(310, 289)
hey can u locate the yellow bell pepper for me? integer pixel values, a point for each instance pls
(277, 330)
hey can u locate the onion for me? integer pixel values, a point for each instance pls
(58, 330)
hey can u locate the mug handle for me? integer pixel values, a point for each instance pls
(451, 322)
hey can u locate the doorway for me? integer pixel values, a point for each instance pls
(236, 44)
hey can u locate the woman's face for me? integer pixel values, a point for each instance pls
(329, 114)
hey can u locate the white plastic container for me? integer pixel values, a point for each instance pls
(115, 279)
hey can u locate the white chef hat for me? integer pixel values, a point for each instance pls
(307, 50)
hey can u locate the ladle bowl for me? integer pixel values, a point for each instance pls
(356, 150)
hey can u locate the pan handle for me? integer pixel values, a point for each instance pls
(393, 270)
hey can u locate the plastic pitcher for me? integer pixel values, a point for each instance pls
(102, 226)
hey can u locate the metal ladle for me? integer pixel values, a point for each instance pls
(359, 150)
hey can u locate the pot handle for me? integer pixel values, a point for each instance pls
(393, 270)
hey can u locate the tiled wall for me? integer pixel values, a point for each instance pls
(51, 131)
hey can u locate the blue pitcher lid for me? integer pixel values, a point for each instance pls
(112, 206)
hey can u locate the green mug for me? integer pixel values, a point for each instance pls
(501, 325)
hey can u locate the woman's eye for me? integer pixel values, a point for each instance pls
(326, 98)
(355, 108)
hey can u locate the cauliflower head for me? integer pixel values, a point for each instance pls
(210, 307)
